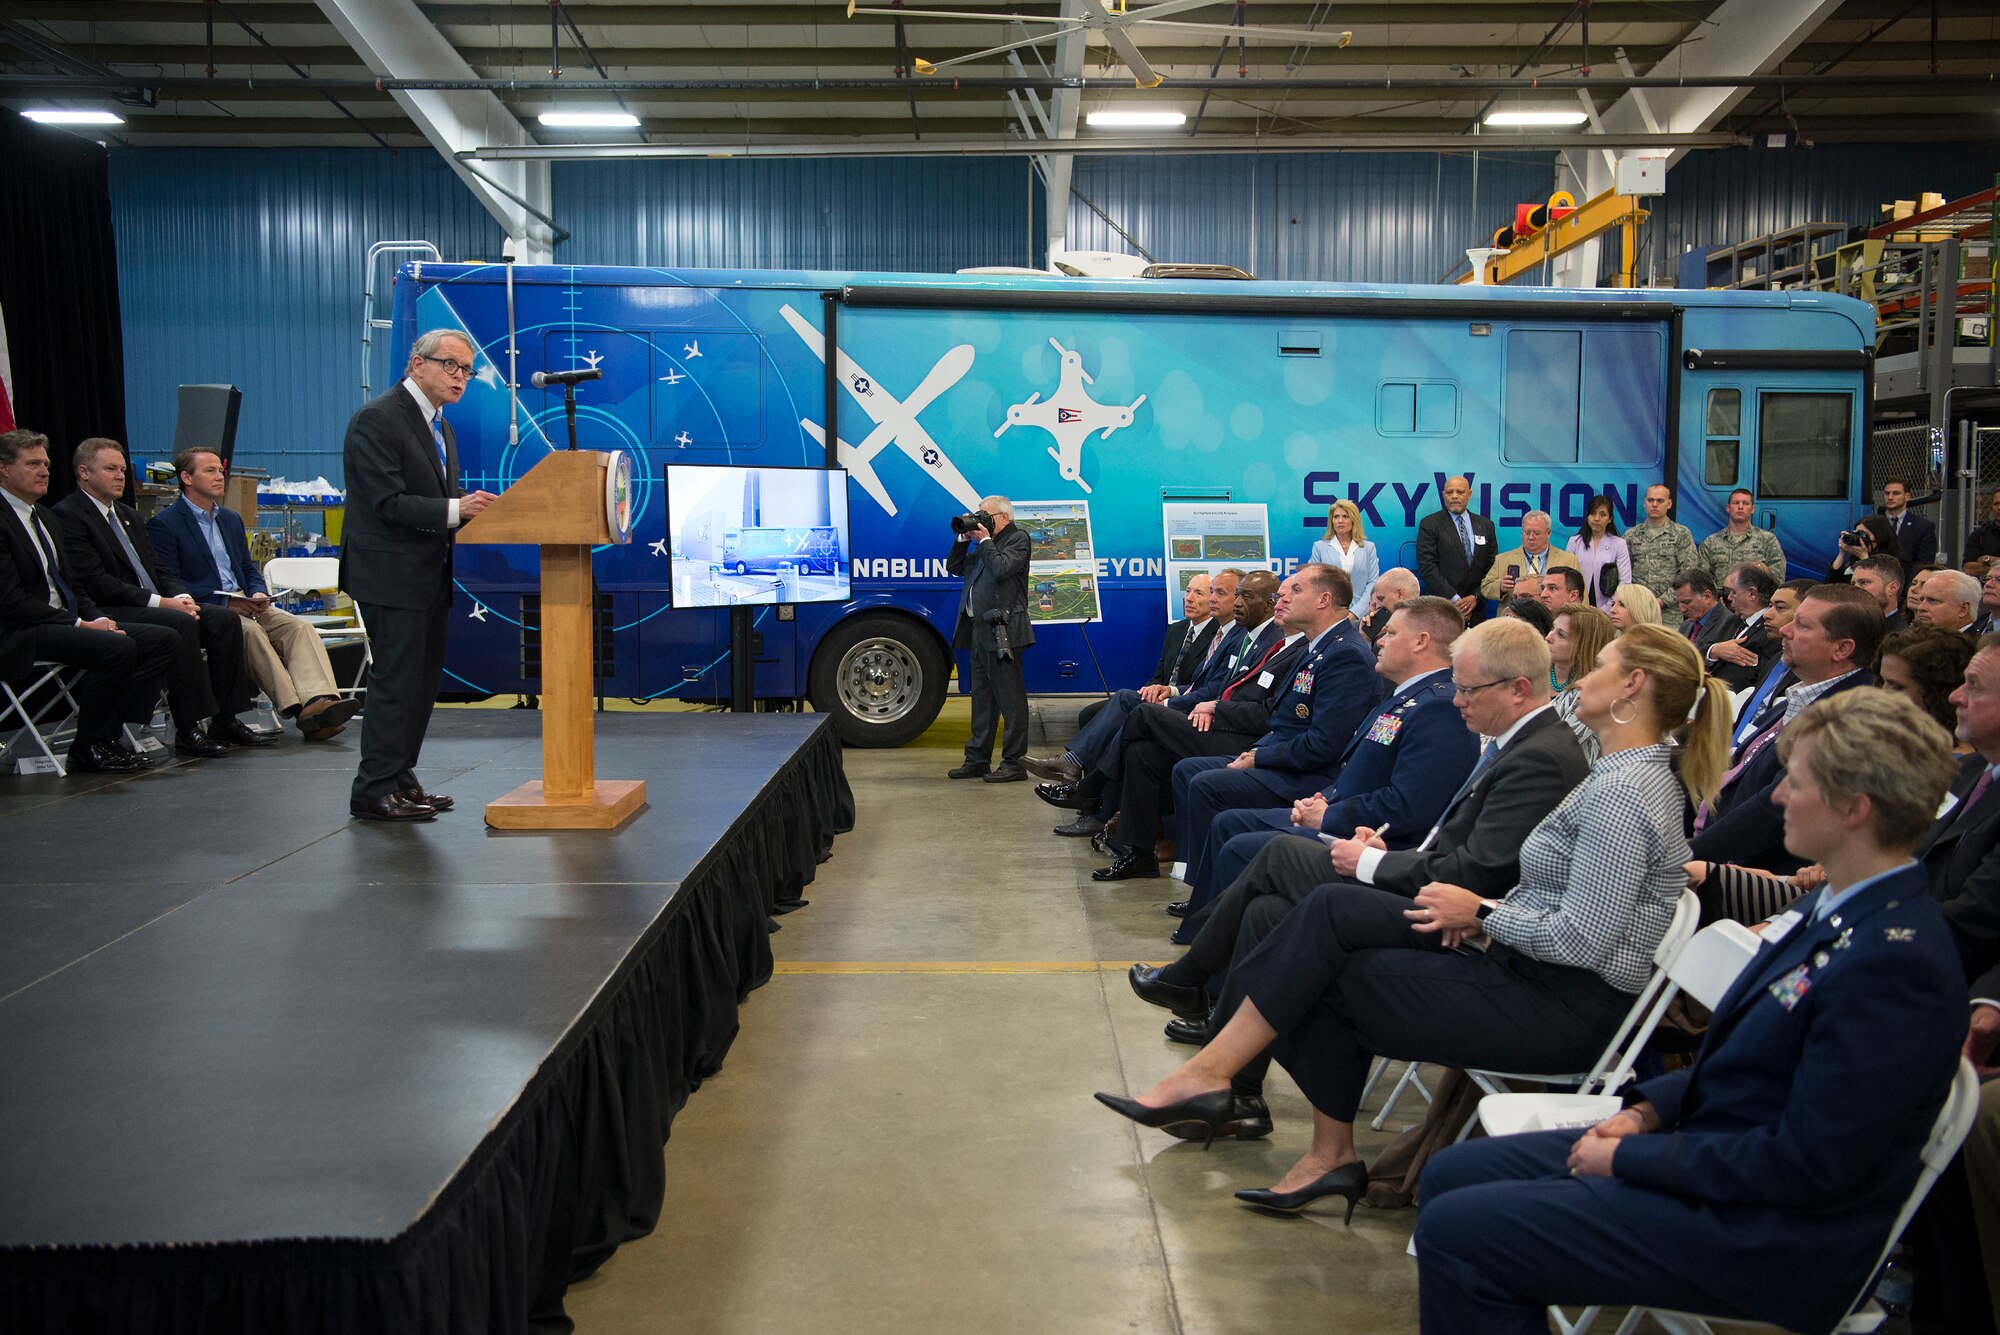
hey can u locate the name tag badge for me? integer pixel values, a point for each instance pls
(1479, 539)
(1264, 680)
(1944, 807)
(1782, 925)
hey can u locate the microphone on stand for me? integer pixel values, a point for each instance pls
(544, 379)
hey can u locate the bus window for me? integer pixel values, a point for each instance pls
(1725, 437)
(1802, 446)
(1541, 407)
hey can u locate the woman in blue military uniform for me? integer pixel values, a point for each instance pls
(1759, 1183)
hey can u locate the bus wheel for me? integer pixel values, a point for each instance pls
(742, 567)
(881, 677)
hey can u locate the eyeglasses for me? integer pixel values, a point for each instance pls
(1460, 688)
(450, 367)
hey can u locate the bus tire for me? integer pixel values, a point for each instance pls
(882, 677)
(742, 567)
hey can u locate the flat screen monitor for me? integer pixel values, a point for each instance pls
(740, 535)
(207, 419)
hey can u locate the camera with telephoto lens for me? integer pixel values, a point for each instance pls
(964, 524)
(1853, 537)
(997, 619)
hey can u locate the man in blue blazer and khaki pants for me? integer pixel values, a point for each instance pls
(403, 501)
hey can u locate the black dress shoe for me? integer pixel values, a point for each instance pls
(1085, 826)
(971, 769)
(1131, 866)
(1061, 795)
(1249, 1119)
(1349, 1180)
(435, 801)
(197, 744)
(102, 758)
(1194, 1033)
(1060, 770)
(1189, 1001)
(1210, 1112)
(237, 733)
(1008, 774)
(1178, 909)
(393, 807)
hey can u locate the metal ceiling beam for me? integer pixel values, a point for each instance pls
(1065, 108)
(394, 38)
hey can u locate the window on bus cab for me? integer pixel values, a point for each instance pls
(1724, 433)
(1802, 445)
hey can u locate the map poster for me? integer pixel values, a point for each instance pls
(1062, 563)
(1205, 537)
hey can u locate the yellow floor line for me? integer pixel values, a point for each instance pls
(952, 966)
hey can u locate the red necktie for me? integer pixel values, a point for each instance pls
(1231, 688)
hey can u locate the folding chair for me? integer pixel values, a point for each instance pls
(321, 574)
(1954, 1120)
(39, 723)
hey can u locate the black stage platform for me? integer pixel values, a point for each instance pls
(264, 1069)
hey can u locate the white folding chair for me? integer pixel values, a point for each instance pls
(1954, 1120)
(40, 727)
(1703, 967)
(1408, 1080)
(321, 574)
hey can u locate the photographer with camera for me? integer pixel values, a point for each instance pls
(991, 556)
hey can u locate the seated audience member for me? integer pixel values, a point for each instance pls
(1872, 535)
(1560, 590)
(1310, 726)
(1403, 763)
(201, 545)
(1784, 606)
(1949, 600)
(1633, 605)
(1989, 601)
(115, 568)
(1190, 644)
(1346, 547)
(1575, 641)
(1925, 666)
(1742, 659)
(1526, 607)
(1527, 563)
(1759, 1183)
(1704, 619)
(1251, 635)
(1602, 554)
(1881, 578)
(1836, 630)
(1530, 765)
(1354, 973)
(1156, 736)
(1983, 543)
(1395, 587)
(47, 617)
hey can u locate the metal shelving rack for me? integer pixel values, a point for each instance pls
(1782, 260)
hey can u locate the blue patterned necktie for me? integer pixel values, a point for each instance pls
(1464, 533)
(437, 435)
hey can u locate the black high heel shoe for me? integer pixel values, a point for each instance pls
(1349, 1180)
(1211, 1112)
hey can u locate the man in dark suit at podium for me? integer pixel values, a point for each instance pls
(1455, 549)
(403, 501)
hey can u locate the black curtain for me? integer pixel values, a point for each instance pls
(59, 290)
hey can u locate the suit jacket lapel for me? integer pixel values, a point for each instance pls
(415, 417)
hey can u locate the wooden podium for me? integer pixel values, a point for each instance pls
(560, 507)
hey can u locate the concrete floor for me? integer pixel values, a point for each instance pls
(903, 1138)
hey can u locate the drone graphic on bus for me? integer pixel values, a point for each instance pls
(1070, 415)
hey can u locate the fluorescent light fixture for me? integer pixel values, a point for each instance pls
(1136, 120)
(589, 120)
(1536, 118)
(58, 116)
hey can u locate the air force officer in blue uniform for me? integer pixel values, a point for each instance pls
(1760, 1183)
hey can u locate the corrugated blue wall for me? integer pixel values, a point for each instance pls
(1718, 199)
(1349, 217)
(244, 267)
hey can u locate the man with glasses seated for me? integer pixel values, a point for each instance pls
(403, 501)
(201, 546)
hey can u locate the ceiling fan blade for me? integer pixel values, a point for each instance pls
(1253, 33)
(854, 9)
(932, 67)
(1143, 73)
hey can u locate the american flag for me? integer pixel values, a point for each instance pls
(7, 422)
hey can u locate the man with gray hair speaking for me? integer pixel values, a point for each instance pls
(403, 501)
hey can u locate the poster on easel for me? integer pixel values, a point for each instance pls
(1062, 563)
(1206, 537)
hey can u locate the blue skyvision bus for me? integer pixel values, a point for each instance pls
(1123, 394)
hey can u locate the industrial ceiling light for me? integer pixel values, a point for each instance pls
(1536, 118)
(1136, 120)
(60, 116)
(589, 120)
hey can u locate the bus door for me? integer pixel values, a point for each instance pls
(1791, 438)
